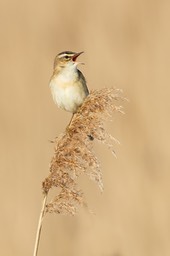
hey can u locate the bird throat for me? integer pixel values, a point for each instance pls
(67, 74)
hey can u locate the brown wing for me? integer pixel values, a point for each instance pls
(81, 76)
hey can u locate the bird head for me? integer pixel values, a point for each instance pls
(64, 59)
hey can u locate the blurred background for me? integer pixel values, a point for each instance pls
(126, 45)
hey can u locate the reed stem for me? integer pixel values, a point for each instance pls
(37, 239)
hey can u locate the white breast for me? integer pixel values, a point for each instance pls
(67, 91)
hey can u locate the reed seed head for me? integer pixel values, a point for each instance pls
(74, 150)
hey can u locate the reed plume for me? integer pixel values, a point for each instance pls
(74, 153)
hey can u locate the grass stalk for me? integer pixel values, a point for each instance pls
(39, 227)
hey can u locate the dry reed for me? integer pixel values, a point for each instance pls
(74, 154)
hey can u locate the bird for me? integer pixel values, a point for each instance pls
(68, 84)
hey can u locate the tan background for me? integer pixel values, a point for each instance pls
(127, 45)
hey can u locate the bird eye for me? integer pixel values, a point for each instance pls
(67, 57)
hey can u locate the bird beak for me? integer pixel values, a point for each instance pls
(75, 56)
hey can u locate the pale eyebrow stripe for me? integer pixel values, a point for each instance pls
(65, 54)
(62, 55)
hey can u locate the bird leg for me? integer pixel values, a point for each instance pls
(68, 126)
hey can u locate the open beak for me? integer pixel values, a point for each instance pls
(75, 56)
